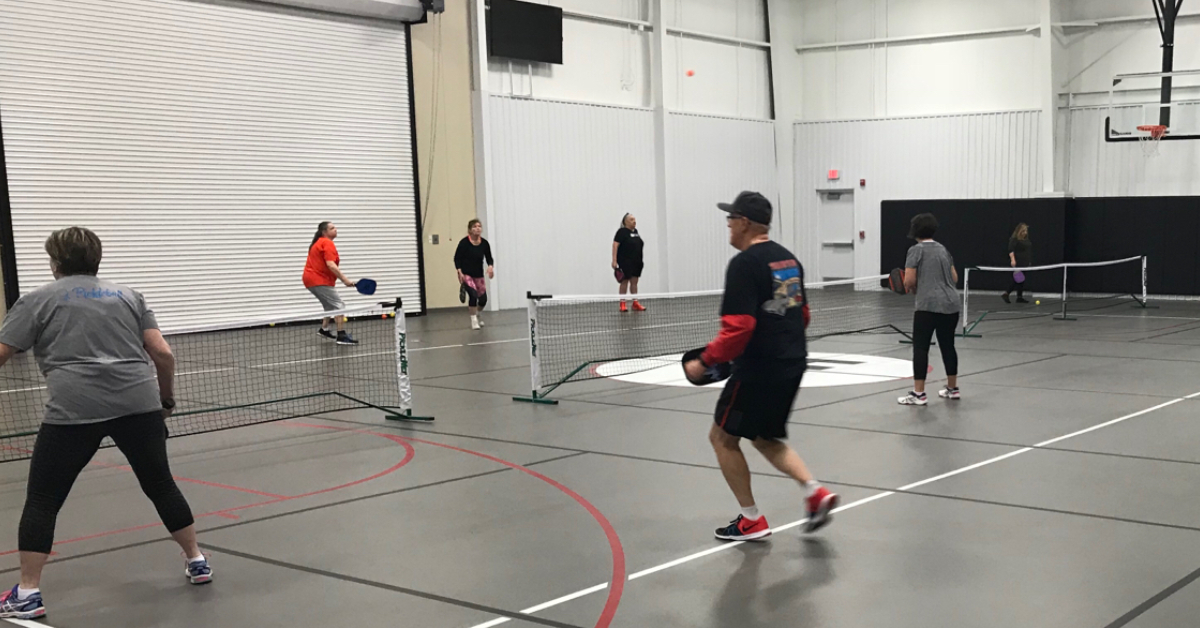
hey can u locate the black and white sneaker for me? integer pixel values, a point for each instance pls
(913, 399)
(327, 334)
(949, 393)
(344, 338)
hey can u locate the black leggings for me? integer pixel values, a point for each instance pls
(925, 324)
(62, 451)
(474, 299)
(1018, 287)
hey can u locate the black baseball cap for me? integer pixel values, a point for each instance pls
(749, 205)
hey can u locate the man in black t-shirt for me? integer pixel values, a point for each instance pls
(763, 317)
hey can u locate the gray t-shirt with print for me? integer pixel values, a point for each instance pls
(86, 334)
(936, 291)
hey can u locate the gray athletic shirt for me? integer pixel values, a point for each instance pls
(936, 291)
(86, 334)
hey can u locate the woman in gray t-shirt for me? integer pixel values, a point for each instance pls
(929, 272)
(109, 373)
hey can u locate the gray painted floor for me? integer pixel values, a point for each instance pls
(975, 513)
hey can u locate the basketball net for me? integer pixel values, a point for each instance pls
(1153, 138)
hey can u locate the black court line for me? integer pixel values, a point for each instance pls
(1154, 601)
(1173, 331)
(312, 508)
(389, 587)
(962, 347)
(1077, 390)
(712, 467)
(653, 386)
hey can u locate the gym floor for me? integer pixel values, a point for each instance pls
(1059, 492)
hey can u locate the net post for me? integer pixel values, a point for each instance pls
(535, 366)
(1143, 303)
(1063, 315)
(402, 379)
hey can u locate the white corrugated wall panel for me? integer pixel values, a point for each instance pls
(1100, 168)
(992, 155)
(204, 142)
(563, 175)
(711, 160)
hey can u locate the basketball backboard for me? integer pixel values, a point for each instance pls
(1170, 99)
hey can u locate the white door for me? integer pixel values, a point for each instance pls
(837, 235)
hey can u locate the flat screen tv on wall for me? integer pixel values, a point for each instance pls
(524, 31)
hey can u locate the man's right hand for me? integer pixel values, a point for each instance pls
(616, 266)
(349, 284)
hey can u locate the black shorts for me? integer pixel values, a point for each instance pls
(631, 270)
(757, 409)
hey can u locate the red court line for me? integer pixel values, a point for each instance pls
(178, 478)
(409, 453)
(617, 584)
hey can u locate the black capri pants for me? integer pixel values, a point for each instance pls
(925, 325)
(62, 451)
(475, 298)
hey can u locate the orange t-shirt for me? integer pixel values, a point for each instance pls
(316, 271)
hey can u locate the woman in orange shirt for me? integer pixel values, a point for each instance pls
(321, 273)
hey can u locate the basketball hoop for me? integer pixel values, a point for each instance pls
(1152, 139)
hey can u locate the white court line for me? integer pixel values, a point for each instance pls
(232, 368)
(496, 342)
(260, 366)
(28, 624)
(1150, 316)
(866, 500)
(17, 390)
(340, 357)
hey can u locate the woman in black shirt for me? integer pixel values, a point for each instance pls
(627, 259)
(1020, 253)
(468, 260)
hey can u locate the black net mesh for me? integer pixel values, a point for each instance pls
(239, 375)
(1090, 287)
(579, 338)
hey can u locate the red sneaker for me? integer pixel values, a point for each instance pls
(820, 504)
(623, 307)
(638, 307)
(743, 529)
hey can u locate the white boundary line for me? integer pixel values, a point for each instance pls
(27, 624)
(862, 502)
(496, 342)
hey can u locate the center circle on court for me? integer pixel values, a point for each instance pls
(825, 370)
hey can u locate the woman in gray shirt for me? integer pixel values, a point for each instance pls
(929, 271)
(109, 373)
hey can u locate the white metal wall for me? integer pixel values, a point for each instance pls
(992, 155)
(563, 176)
(204, 142)
(1099, 168)
(711, 161)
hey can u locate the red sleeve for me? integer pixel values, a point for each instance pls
(736, 330)
(329, 251)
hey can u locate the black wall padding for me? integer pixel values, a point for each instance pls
(1164, 228)
(977, 231)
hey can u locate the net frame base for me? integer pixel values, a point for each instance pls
(969, 326)
(539, 393)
